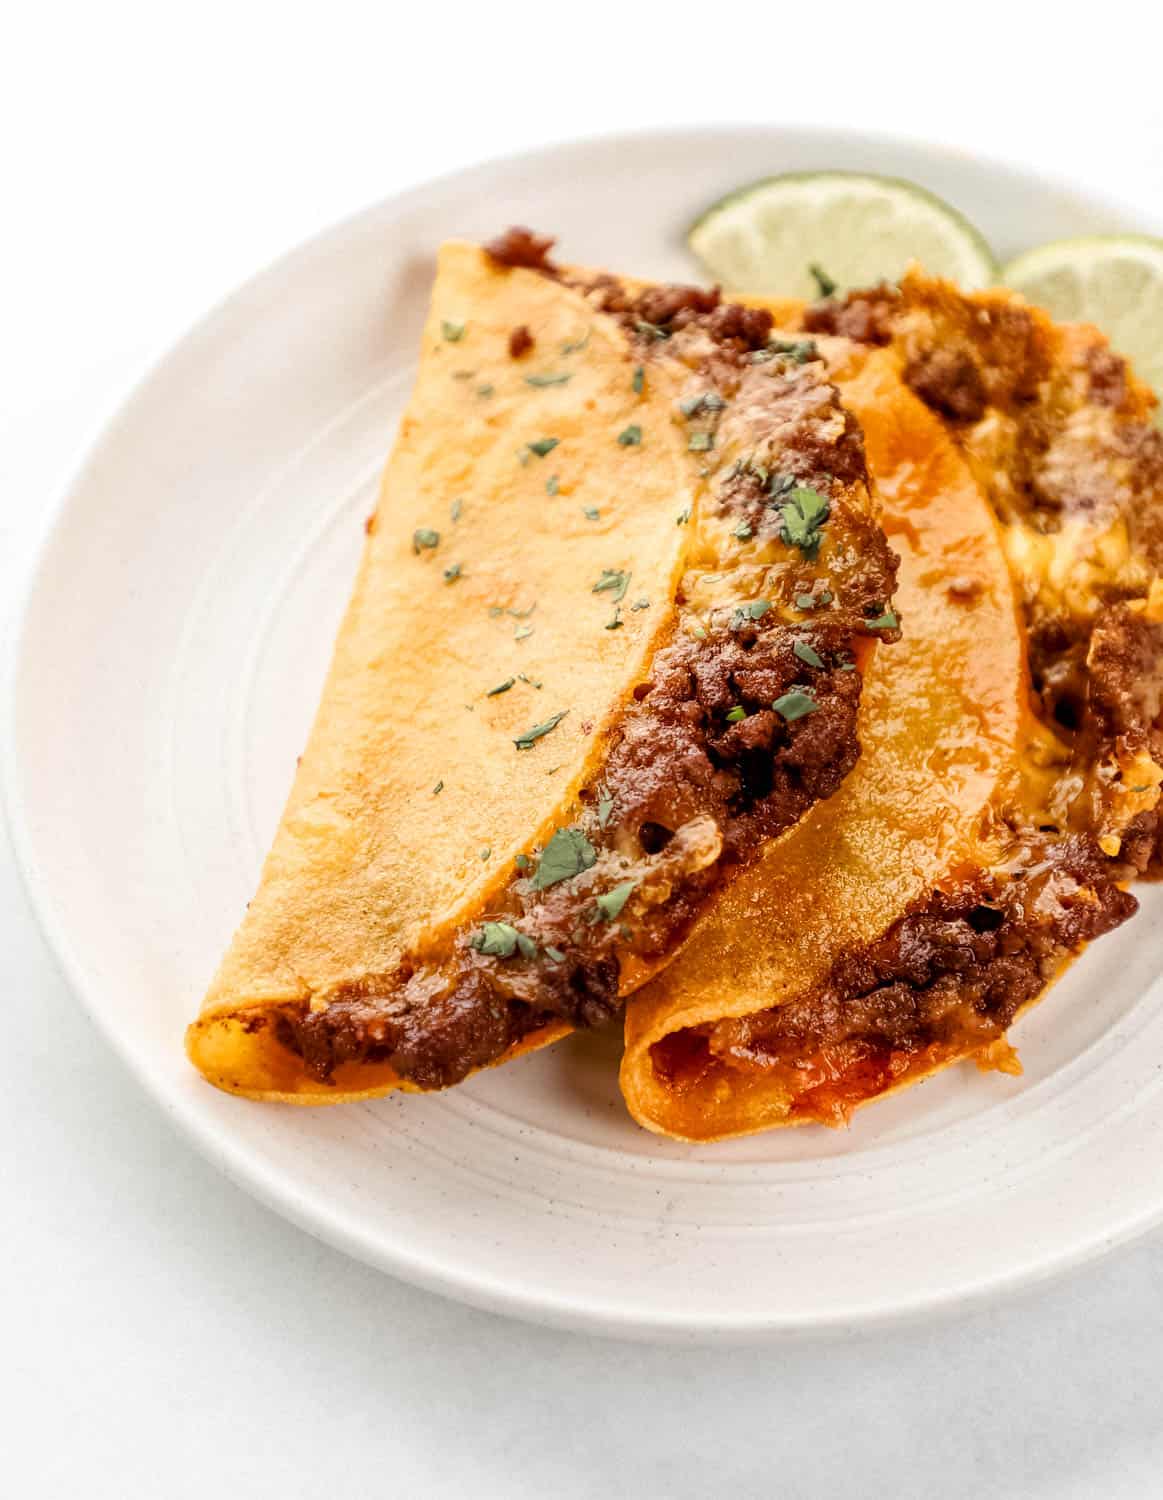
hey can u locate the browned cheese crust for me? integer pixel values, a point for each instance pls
(1061, 436)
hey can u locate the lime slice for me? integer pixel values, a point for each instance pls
(1115, 281)
(854, 228)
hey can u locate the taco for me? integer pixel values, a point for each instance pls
(575, 691)
(910, 919)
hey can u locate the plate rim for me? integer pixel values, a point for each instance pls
(236, 1160)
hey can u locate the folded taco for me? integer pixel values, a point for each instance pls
(604, 649)
(908, 920)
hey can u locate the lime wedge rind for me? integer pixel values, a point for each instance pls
(859, 227)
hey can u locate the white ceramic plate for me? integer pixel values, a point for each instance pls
(175, 639)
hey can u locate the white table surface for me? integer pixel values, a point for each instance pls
(164, 1336)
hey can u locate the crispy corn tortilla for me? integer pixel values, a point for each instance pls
(494, 660)
(943, 721)
(370, 858)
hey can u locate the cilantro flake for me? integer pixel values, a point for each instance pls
(825, 283)
(615, 581)
(611, 902)
(630, 437)
(543, 380)
(591, 513)
(795, 705)
(452, 332)
(701, 442)
(807, 654)
(551, 485)
(886, 621)
(744, 531)
(423, 537)
(555, 955)
(439, 787)
(542, 446)
(501, 687)
(456, 509)
(496, 940)
(452, 574)
(803, 514)
(639, 380)
(567, 854)
(527, 740)
(736, 715)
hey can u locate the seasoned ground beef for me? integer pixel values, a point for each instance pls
(520, 342)
(519, 246)
(951, 975)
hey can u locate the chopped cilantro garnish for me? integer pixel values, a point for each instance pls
(704, 401)
(486, 852)
(651, 330)
(423, 537)
(523, 862)
(526, 947)
(501, 687)
(846, 666)
(736, 714)
(453, 332)
(528, 739)
(452, 574)
(615, 581)
(778, 484)
(610, 903)
(573, 345)
(605, 808)
(591, 513)
(639, 380)
(456, 510)
(522, 614)
(495, 610)
(795, 705)
(615, 620)
(439, 787)
(683, 517)
(496, 940)
(701, 442)
(641, 604)
(522, 632)
(549, 379)
(631, 436)
(807, 654)
(484, 390)
(885, 621)
(551, 485)
(567, 854)
(825, 283)
(555, 955)
(743, 531)
(542, 446)
(748, 612)
(798, 351)
(804, 513)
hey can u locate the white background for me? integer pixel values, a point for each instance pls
(164, 1336)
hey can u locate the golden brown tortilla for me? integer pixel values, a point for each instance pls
(943, 721)
(487, 663)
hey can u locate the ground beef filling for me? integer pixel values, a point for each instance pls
(686, 792)
(945, 981)
(702, 768)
